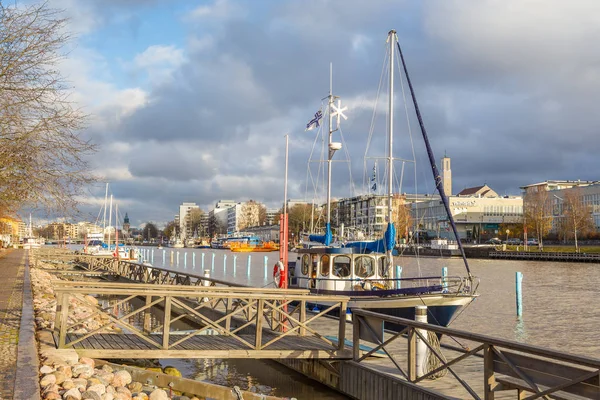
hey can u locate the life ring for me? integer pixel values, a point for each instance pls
(278, 274)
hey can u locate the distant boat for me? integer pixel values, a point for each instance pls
(30, 241)
(177, 243)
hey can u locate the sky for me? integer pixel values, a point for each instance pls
(189, 100)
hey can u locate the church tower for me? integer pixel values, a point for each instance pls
(126, 224)
(447, 175)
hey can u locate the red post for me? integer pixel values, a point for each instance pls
(283, 247)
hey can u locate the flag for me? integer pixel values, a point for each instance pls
(314, 123)
(374, 178)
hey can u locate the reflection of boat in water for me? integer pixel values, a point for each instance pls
(365, 270)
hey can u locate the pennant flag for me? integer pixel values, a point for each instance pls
(315, 122)
(374, 178)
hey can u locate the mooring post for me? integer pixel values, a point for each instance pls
(398, 274)
(249, 263)
(206, 282)
(421, 347)
(172, 255)
(194, 260)
(445, 279)
(518, 285)
(224, 262)
(234, 263)
(178, 258)
(266, 262)
(164, 253)
(202, 263)
(212, 267)
(185, 260)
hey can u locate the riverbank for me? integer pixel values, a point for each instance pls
(64, 375)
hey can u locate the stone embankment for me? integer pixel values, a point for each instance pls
(74, 378)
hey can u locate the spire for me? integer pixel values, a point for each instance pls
(126, 219)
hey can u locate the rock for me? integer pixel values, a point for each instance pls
(60, 377)
(121, 396)
(108, 396)
(107, 368)
(53, 387)
(88, 361)
(154, 369)
(181, 398)
(80, 384)
(158, 394)
(98, 388)
(121, 378)
(141, 396)
(47, 380)
(45, 370)
(172, 371)
(91, 395)
(83, 371)
(65, 369)
(72, 394)
(111, 389)
(104, 377)
(52, 396)
(135, 387)
(122, 390)
(68, 384)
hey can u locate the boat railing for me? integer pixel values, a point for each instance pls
(437, 284)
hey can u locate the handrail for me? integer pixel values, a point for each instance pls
(527, 348)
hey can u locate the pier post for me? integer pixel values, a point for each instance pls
(234, 263)
(445, 279)
(184, 260)
(398, 276)
(266, 262)
(178, 258)
(152, 257)
(213, 262)
(147, 316)
(421, 347)
(194, 260)
(202, 263)
(249, 263)
(518, 285)
(206, 282)
(172, 255)
(224, 262)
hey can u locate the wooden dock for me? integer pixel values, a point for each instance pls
(483, 368)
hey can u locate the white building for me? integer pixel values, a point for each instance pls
(218, 216)
(184, 221)
(478, 213)
(242, 215)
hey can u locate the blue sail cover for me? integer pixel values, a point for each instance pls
(325, 239)
(378, 246)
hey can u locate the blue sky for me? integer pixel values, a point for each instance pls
(190, 100)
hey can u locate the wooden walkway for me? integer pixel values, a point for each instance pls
(107, 345)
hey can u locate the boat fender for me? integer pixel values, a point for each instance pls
(277, 274)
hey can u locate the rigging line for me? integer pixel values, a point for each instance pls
(436, 174)
(349, 161)
(372, 126)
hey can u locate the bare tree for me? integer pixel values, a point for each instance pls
(42, 155)
(170, 230)
(401, 216)
(537, 213)
(249, 215)
(195, 220)
(576, 219)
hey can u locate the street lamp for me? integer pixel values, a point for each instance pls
(574, 221)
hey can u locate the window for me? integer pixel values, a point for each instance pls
(364, 266)
(341, 266)
(382, 266)
(305, 264)
(325, 265)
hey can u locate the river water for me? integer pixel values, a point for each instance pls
(559, 309)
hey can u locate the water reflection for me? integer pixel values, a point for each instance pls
(520, 332)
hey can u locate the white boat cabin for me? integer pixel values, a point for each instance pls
(339, 269)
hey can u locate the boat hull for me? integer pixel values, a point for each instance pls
(441, 308)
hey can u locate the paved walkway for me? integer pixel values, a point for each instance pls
(18, 354)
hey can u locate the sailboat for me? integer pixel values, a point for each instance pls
(365, 271)
(30, 241)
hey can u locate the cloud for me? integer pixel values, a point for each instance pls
(507, 89)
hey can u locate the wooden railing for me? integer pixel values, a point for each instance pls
(240, 313)
(534, 372)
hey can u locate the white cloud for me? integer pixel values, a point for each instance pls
(220, 9)
(158, 61)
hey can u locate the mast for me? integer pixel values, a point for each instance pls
(105, 201)
(391, 40)
(109, 220)
(330, 141)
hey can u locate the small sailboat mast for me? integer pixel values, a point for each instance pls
(391, 40)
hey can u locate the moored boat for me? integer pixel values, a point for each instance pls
(365, 270)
